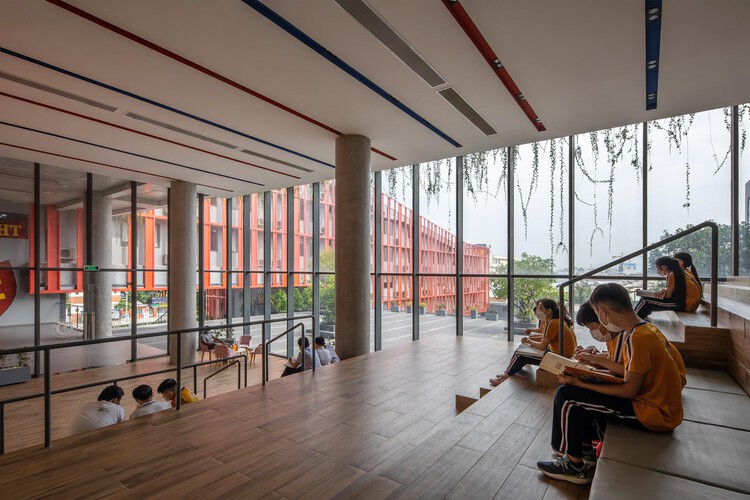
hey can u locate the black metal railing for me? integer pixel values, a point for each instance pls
(48, 349)
(267, 347)
(625, 258)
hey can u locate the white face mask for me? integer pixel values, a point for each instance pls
(609, 325)
(540, 314)
(598, 336)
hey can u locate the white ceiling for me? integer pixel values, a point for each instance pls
(579, 63)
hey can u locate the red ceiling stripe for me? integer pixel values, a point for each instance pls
(144, 134)
(464, 20)
(142, 41)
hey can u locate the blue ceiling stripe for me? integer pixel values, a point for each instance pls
(653, 43)
(302, 37)
(159, 105)
(127, 152)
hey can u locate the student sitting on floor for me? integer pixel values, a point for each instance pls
(669, 298)
(295, 365)
(649, 399)
(612, 359)
(105, 411)
(168, 390)
(144, 396)
(538, 332)
(693, 285)
(546, 310)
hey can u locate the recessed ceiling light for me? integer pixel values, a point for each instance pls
(652, 64)
(651, 96)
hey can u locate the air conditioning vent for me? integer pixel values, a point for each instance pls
(179, 130)
(465, 109)
(275, 160)
(372, 22)
(55, 91)
(67, 255)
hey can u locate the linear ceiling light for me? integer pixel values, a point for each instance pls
(292, 30)
(653, 45)
(471, 30)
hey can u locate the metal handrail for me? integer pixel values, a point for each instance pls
(266, 347)
(653, 246)
(47, 350)
(231, 363)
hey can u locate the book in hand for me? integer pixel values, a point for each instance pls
(557, 364)
(645, 293)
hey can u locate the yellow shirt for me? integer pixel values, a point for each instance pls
(186, 397)
(693, 293)
(614, 348)
(552, 333)
(658, 404)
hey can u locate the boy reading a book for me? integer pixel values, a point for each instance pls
(612, 359)
(649, 399)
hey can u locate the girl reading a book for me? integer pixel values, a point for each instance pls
(669, 298)
(532, 351)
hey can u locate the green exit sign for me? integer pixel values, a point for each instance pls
(90, 268)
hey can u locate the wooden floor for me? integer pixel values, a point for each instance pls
(381, 425)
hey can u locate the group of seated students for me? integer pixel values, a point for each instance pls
(108, 411)
(652, 370)
(683, 291)
(324, 355)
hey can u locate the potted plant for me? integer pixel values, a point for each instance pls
(473, 312)
(490, 315)
(21, 372)
(408, 307)
(422, 307)
(440, 311)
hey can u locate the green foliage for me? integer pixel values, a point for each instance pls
(303, 299)
(526, 290)
(698, 245)
(278, 301)
(328, 299)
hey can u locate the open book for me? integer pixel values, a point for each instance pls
(556, 364)
(645, 293)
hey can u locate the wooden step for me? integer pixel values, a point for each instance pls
(740, 293)
(543, 377)
(738, 280)
(463, 402)
(700, 344)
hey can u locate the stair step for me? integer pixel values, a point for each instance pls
(740, 293)
(463, 402)
(739, 280)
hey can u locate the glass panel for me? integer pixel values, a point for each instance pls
(327, 225)
(17, 284)
(396, 220)
(397, 300)
(278, 230)
(437, 205)
(541, 207)
(303, 228)
(526, 292)
(689, 175)
(438, 293)
(608, 221)
(744, 187)
(485, 192)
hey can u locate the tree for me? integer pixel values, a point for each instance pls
(328, 288)
(526, 291)
(278, 301)
(303, 299)
(698, 245)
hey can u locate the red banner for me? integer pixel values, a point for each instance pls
(15, 226)
(7, 286)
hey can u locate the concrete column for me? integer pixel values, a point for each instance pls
(183, 247)
(97, 293)
(352, 245)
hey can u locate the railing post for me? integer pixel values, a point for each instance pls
(195, 379)
(2, 428)
(47, 401)
(178, 395)
(714, 273)
(561, 320)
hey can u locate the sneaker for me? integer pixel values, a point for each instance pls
(589, 457)
(563, 469)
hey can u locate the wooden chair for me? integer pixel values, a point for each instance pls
(224, 352)
(204, 349)
(246, 342)
(257, 350)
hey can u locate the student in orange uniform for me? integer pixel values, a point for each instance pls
(547, 310)
(612, 359)
(669, 298)
(693, 285)
(649, 399)
(538, 332)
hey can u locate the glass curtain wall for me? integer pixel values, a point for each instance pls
(682, 171)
